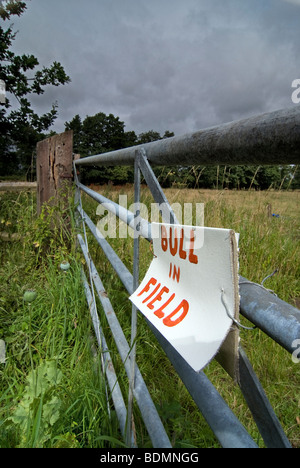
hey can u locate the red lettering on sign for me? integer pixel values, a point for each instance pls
(176, 272)
(164, 240)
(192, 257)
(159, 312)
(171, 242)
(184, 305)
(172, 318)
(146, 288)
(152, 293)
(182, 253)
(163, 290)
(173, 248)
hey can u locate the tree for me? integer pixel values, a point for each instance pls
(166, 175)
(21, 127)
(102, 133)
(98, 134)
(295, 177)
(152, 135)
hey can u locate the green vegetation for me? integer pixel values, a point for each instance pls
(51, 389)
(52, 393)
(22, 128)
(266, 243)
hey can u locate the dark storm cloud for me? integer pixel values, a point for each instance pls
(165, 64)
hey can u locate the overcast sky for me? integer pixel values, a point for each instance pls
(177, 65)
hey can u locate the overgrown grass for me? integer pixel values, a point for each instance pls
(50, 394)
(267, 243)
(51, 389)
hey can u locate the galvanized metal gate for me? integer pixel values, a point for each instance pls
(268, 139)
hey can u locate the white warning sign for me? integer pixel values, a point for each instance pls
(189, 292)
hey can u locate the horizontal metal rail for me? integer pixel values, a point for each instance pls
(225, 425)
(271, 138)
(121, 212)
(116, 262)
(150, 416)
(277, 318)
(109, 370)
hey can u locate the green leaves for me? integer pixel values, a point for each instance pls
(43, 378)
(39, 408)
(22, 128)
(54, 75)
(12, 7)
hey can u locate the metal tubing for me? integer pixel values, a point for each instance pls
(121, 212)
(271, 138)
(151, 418)
(116, 262)
(223, 422)
(276, 318)
(167, 213)
(259, 405)
(227, 428)
(112, 380)
(136, 258)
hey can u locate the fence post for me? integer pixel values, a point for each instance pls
(54, 167)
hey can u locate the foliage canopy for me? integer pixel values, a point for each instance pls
(21, 126)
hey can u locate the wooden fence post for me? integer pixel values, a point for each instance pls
(54, 167)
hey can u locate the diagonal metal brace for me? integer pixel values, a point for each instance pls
(167, 213)
(259, 405)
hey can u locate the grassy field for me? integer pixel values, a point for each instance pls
(50, 394)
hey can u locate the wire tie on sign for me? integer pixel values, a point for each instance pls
(269, 276)
(261, 284)
(231, 317)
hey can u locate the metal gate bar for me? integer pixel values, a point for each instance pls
(259, 405)
(267, 139)
(151, 418)
(265, 417)
(277, 318)
(271, 138)
(110, 372)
